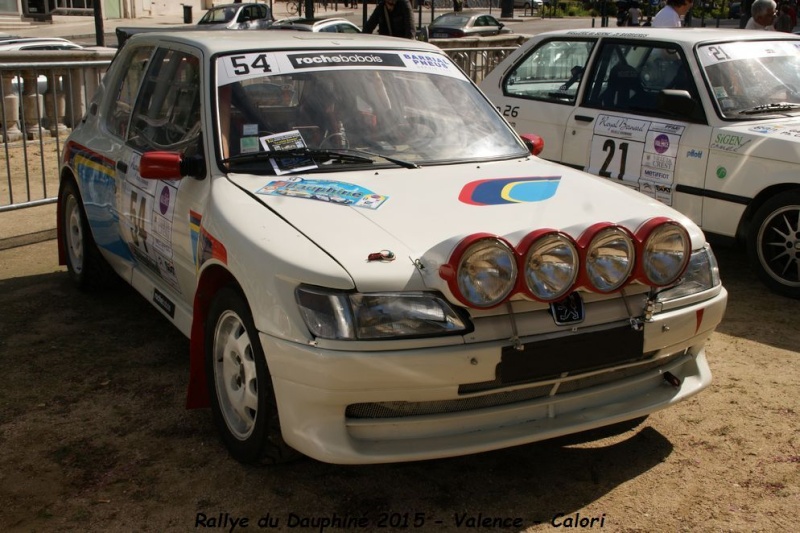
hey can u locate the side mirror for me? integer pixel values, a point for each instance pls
(170, 166)
(680, 103)
(534, 143)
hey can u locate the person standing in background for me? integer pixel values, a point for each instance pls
(670, 15)
(634, 14)
(392, 18)
(784, 21)
(762, 15)
(744, 15)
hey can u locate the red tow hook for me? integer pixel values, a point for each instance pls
(672, 379)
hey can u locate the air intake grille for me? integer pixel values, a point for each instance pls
(377, 410)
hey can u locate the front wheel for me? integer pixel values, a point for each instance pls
(242, 398)
(773, 243)
(85, 265)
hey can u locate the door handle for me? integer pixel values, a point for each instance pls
(122, 166)
(583, 118)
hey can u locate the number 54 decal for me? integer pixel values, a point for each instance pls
(138, 207)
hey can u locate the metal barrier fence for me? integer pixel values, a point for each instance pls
(41, 99)
(40, 102)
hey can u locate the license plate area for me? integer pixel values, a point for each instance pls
(575, 354)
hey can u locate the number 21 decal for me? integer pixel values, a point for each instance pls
(609, 149)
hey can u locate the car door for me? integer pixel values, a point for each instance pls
(160, 218)
(626, 129)
(487, 25)
(538, 93)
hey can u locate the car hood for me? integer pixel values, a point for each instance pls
(778, 140)
(392, 229)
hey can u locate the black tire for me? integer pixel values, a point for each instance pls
(773, 243)
(85, 264)
(242, 398)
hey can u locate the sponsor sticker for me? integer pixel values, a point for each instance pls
(334, 192)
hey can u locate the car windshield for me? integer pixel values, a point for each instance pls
(413, 107)
(451, 20)
(753, 79)
(218, 15)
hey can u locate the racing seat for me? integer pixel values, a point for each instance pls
(622, 88)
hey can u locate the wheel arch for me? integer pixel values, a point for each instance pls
(211, 281)
(755, 204)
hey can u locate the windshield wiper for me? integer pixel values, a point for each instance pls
(770, 108)
(344, 155)
(313, 153)
(398, 162)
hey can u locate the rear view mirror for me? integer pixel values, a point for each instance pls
(534, 143)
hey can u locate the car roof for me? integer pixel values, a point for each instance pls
(12, 42)
(221, 6)
(684, 36)
(210, 43)
(308, 24)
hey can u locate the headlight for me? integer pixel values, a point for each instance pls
(355, 316)
(701, 274)
(665, 251)
(609, 258)
(482, 271)
(551, 266)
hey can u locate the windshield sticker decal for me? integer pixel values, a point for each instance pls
(290, 140)
(431, 63)
(334, 192)
(236, 68)
(245, 66)
(509, 190)
(316, 60)
(722, 52)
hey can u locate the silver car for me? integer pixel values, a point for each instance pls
(237, 17)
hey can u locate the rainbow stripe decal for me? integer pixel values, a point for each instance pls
(509, 190)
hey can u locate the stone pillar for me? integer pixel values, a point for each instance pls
(55, 104)
(33, 106)
(76, 97)
(10, 120)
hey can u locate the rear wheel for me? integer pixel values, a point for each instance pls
(85, 265)
(773, 243)
(242, 398)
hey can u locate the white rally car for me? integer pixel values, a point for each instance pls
(369, 263)
(704, 120)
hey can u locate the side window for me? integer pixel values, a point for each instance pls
(119, 113)
(630, 78)
(167, 112)
(551, 72)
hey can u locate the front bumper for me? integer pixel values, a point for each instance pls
(390, 406)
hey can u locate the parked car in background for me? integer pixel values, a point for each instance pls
(10, 43)
(319, 24)
(465, 24)
(707, 121)
(370, 264)
(237, 17)
(531, 5)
